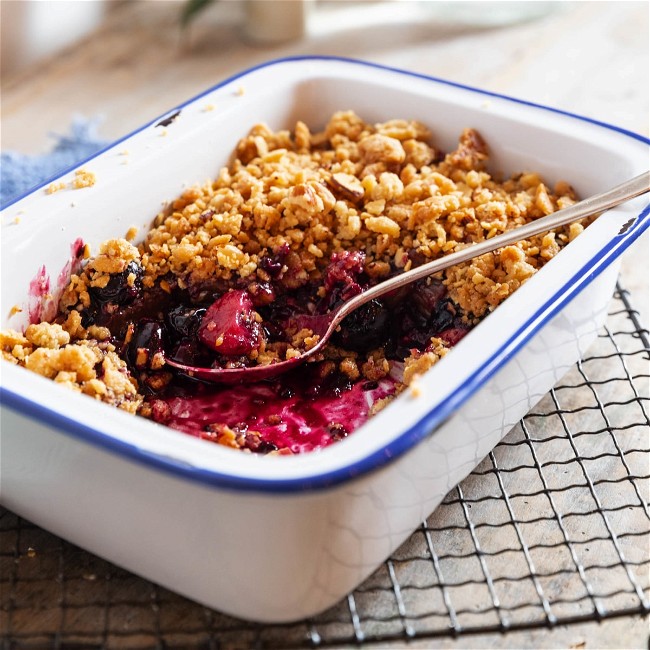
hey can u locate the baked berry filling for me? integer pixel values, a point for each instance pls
(308, 408)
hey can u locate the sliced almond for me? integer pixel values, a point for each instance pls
(347, 185)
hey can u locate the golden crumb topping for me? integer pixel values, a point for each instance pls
(379, 188)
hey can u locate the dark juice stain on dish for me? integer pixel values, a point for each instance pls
(626, 226)
(39, 290)
(168, 120)
(42, 305)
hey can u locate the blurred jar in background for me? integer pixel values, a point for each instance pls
(276, 21)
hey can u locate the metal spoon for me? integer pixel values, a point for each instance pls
(327, 324)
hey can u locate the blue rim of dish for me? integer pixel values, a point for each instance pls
(414, 434)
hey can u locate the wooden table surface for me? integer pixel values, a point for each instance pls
(590, 58)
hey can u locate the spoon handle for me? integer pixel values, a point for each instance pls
(593, 205)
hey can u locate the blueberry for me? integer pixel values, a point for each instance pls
(183, 321)
(266, 447)
(364, 329)
(426, 296)
(146, 347)
(273, 266)
(442, 317)
(119, 289)
(408, 330)
(414, 328)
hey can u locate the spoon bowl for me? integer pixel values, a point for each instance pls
(327, 324)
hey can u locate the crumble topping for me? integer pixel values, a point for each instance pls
(296, 209)
(419, 362)
(351, 187)
(89, 365)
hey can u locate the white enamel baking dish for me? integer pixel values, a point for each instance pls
(279, 539)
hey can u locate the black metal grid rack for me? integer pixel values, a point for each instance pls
(551, 528)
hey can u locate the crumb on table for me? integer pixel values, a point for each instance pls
(83, 178)
(55, 187)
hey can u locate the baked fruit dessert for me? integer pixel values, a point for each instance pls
(238, 272)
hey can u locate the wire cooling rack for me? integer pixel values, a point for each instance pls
(552, 528)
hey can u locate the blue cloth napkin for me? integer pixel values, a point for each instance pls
(20, 172)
